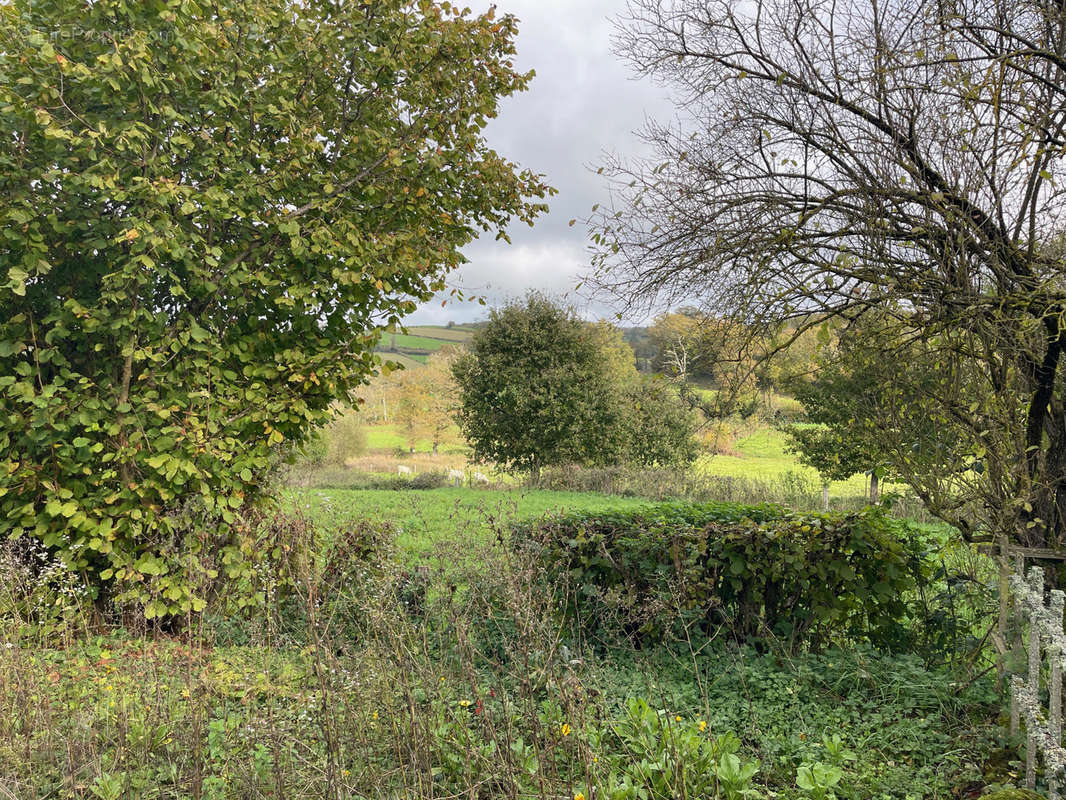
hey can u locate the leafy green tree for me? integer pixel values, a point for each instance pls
(693, 344)
(659, 421)
(440, 389)
(868, 400)
(694, 349)
(346, 438)
(827, 449)
(620, 360)
(837, 439)
(535, 390)
(423, 400)
(336, 444)
(209, 210)
(541, 387)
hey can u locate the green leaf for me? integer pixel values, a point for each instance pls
(17, 277)
(198, 333)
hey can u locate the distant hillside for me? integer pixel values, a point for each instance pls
(413, 348)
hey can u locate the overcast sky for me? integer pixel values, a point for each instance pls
(582, 102)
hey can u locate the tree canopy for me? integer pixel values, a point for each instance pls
(535, 389)
(209, 212)
(541, 387)
(903, 157)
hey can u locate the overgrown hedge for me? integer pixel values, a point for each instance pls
(751, 571)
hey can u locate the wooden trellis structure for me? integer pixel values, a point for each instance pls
(1038, 633)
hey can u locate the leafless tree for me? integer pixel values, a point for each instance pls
(835, 157)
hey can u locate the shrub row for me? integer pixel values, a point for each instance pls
(753, 571)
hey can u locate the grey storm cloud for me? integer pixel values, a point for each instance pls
(582, 103)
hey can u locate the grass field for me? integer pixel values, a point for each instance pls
(426, 519)
(408, 361)
(453, 334)
(388, 438)
(412, 341)
(763, 457)
(411, 348)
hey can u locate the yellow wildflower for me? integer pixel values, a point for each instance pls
(565, 730)
(703, 725)
(677, 718)
(579, 796)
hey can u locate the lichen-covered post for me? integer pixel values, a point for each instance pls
(1015, 711)
(1036, 586)
(1055, 612)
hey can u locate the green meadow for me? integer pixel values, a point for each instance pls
(413, 347)
(425, 519)
(763, 456)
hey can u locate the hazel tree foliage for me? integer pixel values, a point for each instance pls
(209, 211)
(903, 157)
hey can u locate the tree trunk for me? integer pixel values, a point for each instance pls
(875, 488)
